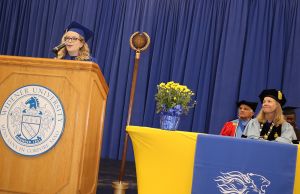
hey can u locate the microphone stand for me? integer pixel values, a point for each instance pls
(138, 42)
(56, 54)
(58, 48)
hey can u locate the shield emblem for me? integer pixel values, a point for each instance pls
(30, 126)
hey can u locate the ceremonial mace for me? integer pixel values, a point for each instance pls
(138, 42)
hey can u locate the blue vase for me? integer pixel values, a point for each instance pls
(169, 121)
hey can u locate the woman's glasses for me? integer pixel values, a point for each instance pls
(72, 39)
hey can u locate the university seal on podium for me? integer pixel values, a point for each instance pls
(32, 120)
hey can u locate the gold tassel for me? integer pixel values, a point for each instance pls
(279, 95)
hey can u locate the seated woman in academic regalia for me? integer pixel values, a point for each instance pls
(270, 123)
(75, 39)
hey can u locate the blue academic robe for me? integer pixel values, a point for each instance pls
(68, 57)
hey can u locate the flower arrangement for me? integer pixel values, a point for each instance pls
(174, 98)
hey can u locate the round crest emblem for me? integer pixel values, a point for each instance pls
(32, 120)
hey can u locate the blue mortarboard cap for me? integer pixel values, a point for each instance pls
(80, 29)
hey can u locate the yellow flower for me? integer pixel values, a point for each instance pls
(171, 94)
(162, 84)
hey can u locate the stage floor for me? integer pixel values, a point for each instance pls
(109, 172)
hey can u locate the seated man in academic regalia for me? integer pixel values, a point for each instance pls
(236, 127)
(290, 116)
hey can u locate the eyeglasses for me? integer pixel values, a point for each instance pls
(72, 39)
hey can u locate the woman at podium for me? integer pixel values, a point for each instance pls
(270, 124)
(74, 43)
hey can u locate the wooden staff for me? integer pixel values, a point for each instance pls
(138, 42)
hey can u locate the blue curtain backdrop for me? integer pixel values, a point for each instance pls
(224, 50)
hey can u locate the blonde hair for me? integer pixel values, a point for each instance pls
(83, 54)
(278, 118)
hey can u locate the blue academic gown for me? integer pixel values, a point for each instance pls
(68, 57)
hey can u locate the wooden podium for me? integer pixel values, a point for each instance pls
(71, 165)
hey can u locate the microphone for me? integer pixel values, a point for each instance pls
(58, 47)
